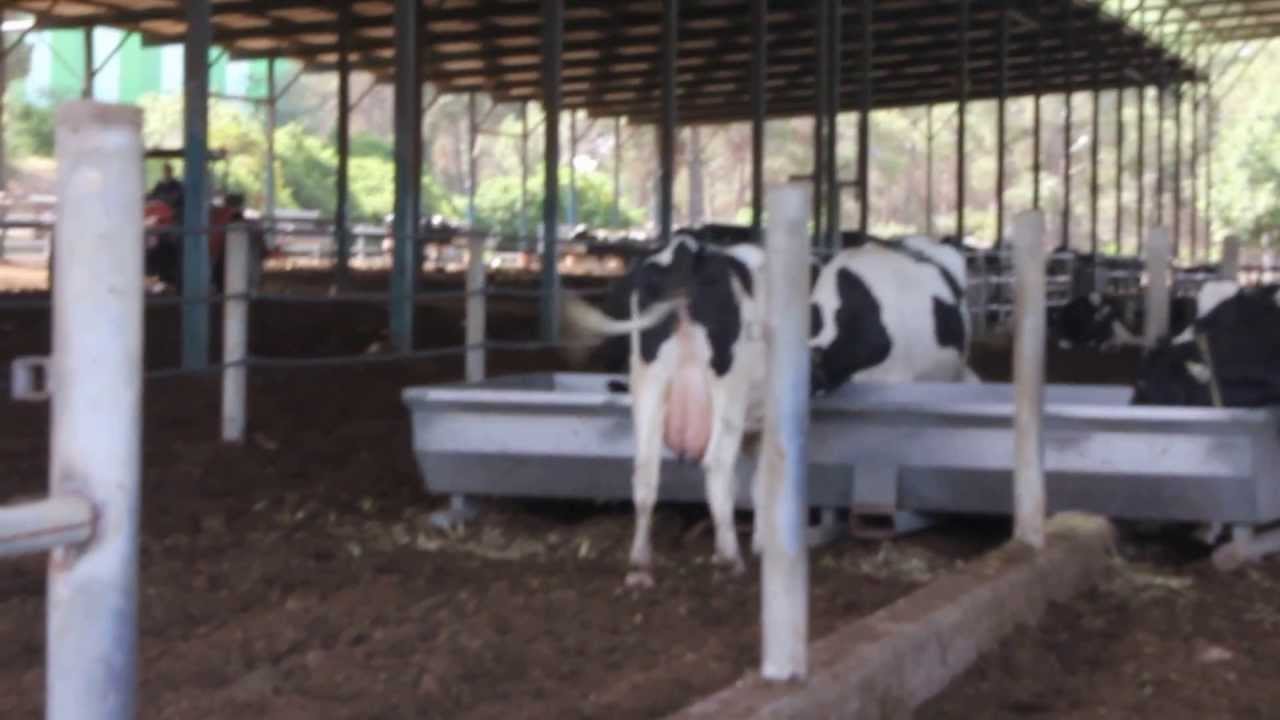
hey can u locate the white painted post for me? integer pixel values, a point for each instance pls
(1158, 249)
(784, 587)
(96, 414)
(461, 508)
(1230, 269)
(44, 525)
(476, 309)
(983, 296)
(1029, 312)
(235, 334)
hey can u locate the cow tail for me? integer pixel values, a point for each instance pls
(583, 326)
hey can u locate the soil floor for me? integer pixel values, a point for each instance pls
(298, 576)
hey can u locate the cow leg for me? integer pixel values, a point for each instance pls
(757, 503)
(647, 415)
(729, 411)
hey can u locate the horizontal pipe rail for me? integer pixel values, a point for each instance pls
(40, 526)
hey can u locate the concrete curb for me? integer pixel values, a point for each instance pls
(888, 663)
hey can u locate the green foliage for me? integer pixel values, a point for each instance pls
(308, 167)
(231, 128)
(372, 182)
(498, 202)
(364, 144)
(29, 128)
(1245, 162)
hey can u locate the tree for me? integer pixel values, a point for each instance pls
(498, 202)
(29, 128)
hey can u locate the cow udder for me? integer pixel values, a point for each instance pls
(687, 425)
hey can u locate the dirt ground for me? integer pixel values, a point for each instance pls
(1164, 636)
(298, 577)
(1157, 639)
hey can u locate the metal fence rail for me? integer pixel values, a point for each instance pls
(1121, 279)
(990, 297)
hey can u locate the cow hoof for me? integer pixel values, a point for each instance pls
(639, 579)
(734, 565)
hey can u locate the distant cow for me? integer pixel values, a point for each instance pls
(718, 234)
(890, 311)
(725, 235)
(1091, 321)
(1229, 356)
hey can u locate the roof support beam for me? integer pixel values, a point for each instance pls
(195, 205)
(342, 212)
(408, 171)
(552, 45)
(962, 113)
(667, 125)
(864, 118)
(759, 68)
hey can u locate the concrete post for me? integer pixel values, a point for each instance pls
(1158, 256)
(784, 463)
(235, 334)
(96, 413)
(1028, 377)
(1230, 269)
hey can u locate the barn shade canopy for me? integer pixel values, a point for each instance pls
(612, 48)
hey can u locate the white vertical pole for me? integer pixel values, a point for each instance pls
(96, 416)
(1230, 258)
(784, 459)
(1028, 378)
(1159, 250)
(983, 297)
(235, 334)
(461, 509)
(476, 309)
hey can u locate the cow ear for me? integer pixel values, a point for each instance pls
(1198, 371)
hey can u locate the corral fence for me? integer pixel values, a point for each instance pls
(308, 238)
(94, 379)
(1119, 278)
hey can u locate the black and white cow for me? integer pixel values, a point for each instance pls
(891, 311)
(888, 311)
(724, 235)
(696, 352)
(1094, 321)
(612, 353)
(1091, 321)
(718, 234)
(1229, 356)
